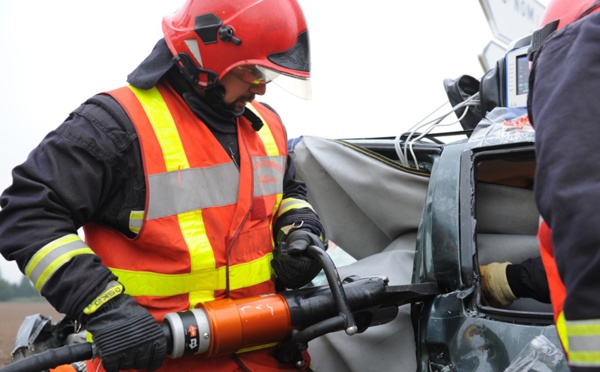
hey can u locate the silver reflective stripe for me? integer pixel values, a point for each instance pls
(191, 189)
(268, 175)
(584, 343)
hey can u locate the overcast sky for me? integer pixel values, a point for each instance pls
(377, 66)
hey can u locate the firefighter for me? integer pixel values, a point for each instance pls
(563, 107)
(182, 184)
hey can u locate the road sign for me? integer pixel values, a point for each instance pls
(491, 54)
(512, 19)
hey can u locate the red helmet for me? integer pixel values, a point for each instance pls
(558, 14)
(566, 11)
(209, 38)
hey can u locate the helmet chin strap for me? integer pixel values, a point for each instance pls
(202, 78)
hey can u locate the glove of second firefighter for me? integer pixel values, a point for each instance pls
(126, 335)
(292, 266)
(494, 285)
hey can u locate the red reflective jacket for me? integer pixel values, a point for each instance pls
(206, 231)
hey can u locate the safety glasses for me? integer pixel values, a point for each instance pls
(250, 74)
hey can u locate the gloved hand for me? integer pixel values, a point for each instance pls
(127, 336)
(292, 266)
(494, 285)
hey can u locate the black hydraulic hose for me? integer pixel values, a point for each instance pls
(337, 289)
(319, 329)
(289, 350)
(52, 358)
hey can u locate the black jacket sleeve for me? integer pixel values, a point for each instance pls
(528, 280)
(68, 180)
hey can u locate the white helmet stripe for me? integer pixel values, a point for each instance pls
(192, 45)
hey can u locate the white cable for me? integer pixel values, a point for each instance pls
(409, 141)
(433, 122)
(401, 156)
(415, 129)
(465, 104)
(437, 122)
(410, 144)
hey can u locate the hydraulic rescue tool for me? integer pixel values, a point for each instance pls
(288, 319)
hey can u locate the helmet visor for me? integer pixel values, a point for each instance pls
(260, 75)
(295, 85)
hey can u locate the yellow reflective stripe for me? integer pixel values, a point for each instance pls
(277, 204)
(194, 233)
(584, 359)
(561, 329)
(275, 209)
(201, 252)
(52, 256)
(250, 273)
(265, 134)
(164, 127)
(589, 327)
(136, 215)
(144, 283)
(198, 297)
(293, 203)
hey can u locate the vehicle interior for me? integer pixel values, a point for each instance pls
(506, 216)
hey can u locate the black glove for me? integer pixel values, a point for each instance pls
(127, 336)
(292, 266)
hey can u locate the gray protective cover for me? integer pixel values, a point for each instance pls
(371, 208)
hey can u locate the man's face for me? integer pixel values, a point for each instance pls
(241, 86)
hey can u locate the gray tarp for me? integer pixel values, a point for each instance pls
(372, 209)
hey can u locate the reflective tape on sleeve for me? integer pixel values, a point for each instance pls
(53, 256)
(293, 203)
(584, 342)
